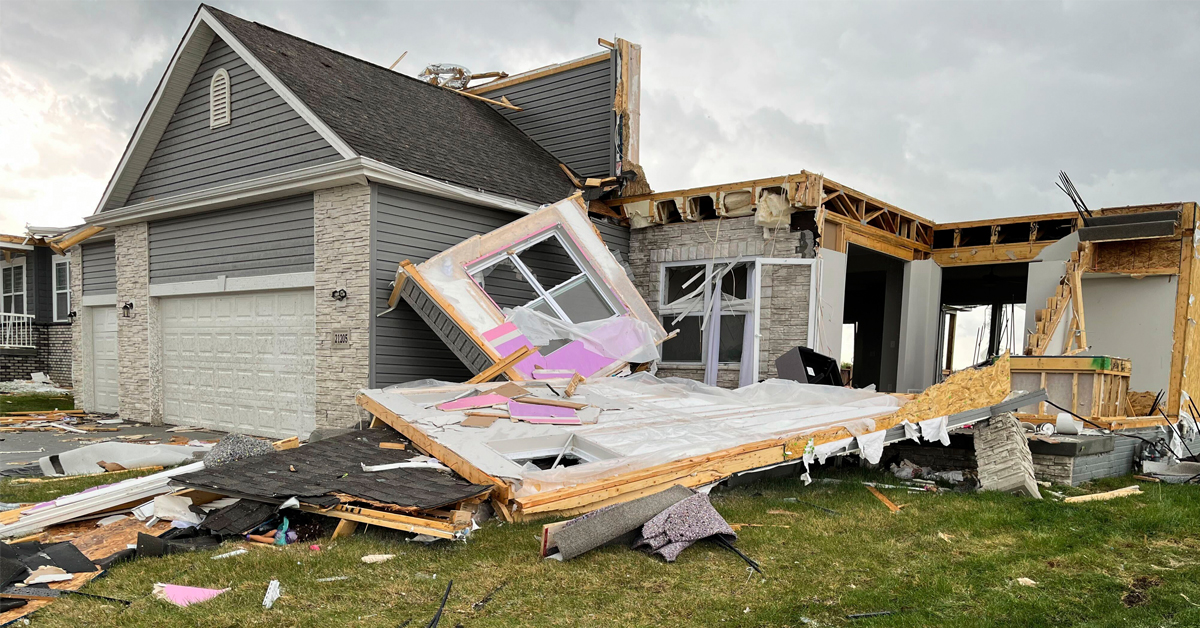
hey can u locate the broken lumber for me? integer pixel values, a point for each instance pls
(883, 498)
(494, 371)
(1099, 497)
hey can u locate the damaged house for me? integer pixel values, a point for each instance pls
(290, 226)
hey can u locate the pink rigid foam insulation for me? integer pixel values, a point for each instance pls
(478, 401)
(184, 596)
(537, 413)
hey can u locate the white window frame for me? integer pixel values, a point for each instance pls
(16, 261)
(729, 307)
(65, 261)
(814, 295)
(586, 271)
(220, 107)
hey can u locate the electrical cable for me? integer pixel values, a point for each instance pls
(1105, 429)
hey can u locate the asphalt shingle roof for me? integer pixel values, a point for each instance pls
(406, 123)
(334, 465)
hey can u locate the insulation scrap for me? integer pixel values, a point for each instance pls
(965, 390)
(184, 596)
(679, 526)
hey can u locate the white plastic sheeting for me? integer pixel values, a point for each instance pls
(647, 421)
(621, 338)
(129, 455)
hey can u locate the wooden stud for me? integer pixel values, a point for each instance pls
(886, 502)
(504, 364)
(576, 380)
(345, 527)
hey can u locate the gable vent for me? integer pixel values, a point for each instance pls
(218, 99)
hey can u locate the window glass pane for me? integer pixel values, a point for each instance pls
(734, 281)
(60, 276)
(18, 278)
(7, 282)
(8, 304)
(18, 304)
(731, 338)
(686, 346)
(581, 301)
(505, 284)
(549, 261)
(63, 304)
(676, 277)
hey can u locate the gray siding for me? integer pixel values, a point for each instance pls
(411, 226)
(265, 135)
(569, 114)
(263, 239)
(99, 267)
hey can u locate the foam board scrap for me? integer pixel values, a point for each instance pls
(184, 596)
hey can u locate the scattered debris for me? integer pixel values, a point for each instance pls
(184, 596)
(372, 559)
(869, 615)
(333, 579)
(237, 552)
(1026, 582)
(234, 447)
(945, 537)
(273, 593)
(886, 502)
(487, 598)
(1096, 497)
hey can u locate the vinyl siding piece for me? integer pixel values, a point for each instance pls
(569, 114)
(265, 135)
(99, 267)
(411, 226)
(274, 237)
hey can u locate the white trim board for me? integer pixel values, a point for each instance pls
(171, 87)
(813, 295)
(99, 300)
(357, 170)
(222, 284)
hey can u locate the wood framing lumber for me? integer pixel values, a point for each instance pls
(373, 517)
(883, 498)
(506, 105)
(571, 175)
(432, 448)
(345, 527)
(287, 443)
(522, 77)
(1097, 497)
(504, 364)
(558, 403)
(576, 380)
(392, 445)
(72, 239)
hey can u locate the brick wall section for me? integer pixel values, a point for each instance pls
(1002, 452)
(342, 222)
(133, 332)
(1054, 469)
(81, 336)
(785, 289)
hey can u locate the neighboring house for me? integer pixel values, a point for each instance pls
(36, 310)
(265, 200)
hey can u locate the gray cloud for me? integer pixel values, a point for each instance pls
(955, 111)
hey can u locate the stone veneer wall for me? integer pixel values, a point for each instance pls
(785, 289)
(81, 336)
(342, 225)
(56, 353)
(134, 333)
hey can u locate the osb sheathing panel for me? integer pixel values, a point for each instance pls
(1133, 255)
(965, 390)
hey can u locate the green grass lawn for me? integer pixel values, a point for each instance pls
(30, 402)
(1125, 562)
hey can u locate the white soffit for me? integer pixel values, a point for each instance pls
(171, 87)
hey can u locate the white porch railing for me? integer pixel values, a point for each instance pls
(16, 330)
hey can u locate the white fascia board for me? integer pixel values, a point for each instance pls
(391, 175)
(16, 247)
(99, 300)
(310, 179)
(223, 284)
(317, 123)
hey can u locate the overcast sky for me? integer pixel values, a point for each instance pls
(955, 111)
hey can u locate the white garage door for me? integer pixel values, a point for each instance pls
(104, 358)
(240, 362)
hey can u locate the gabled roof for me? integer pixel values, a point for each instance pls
(361, 109)
(403, 122)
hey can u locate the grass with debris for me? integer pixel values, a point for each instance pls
(31, 402)
(945, 560)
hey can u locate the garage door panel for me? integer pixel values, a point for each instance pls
(240, 362)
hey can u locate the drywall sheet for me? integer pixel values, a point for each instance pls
(831, 292)
(1128, 317)
(919, 319)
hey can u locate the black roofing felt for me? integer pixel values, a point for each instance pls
(319, 470)
(406, 123)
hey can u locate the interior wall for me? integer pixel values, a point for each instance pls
(874, 294)
(832, 293)
(1130, 318)
(919, 321)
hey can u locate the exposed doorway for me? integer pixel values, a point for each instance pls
(983, 313)
(873, 304)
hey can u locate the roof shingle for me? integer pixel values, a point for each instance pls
(406, 123)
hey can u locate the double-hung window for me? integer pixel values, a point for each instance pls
(12, 277)
(62, 289)
(686, 291)
(547, 275)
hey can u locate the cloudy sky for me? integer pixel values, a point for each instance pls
(955, 111)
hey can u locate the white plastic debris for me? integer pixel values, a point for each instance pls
(372, 559)
(47, 573)
(175, 508)
(1026, 582)
(333, 578)
(273, 593)
(418, 462)
(237, 552)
